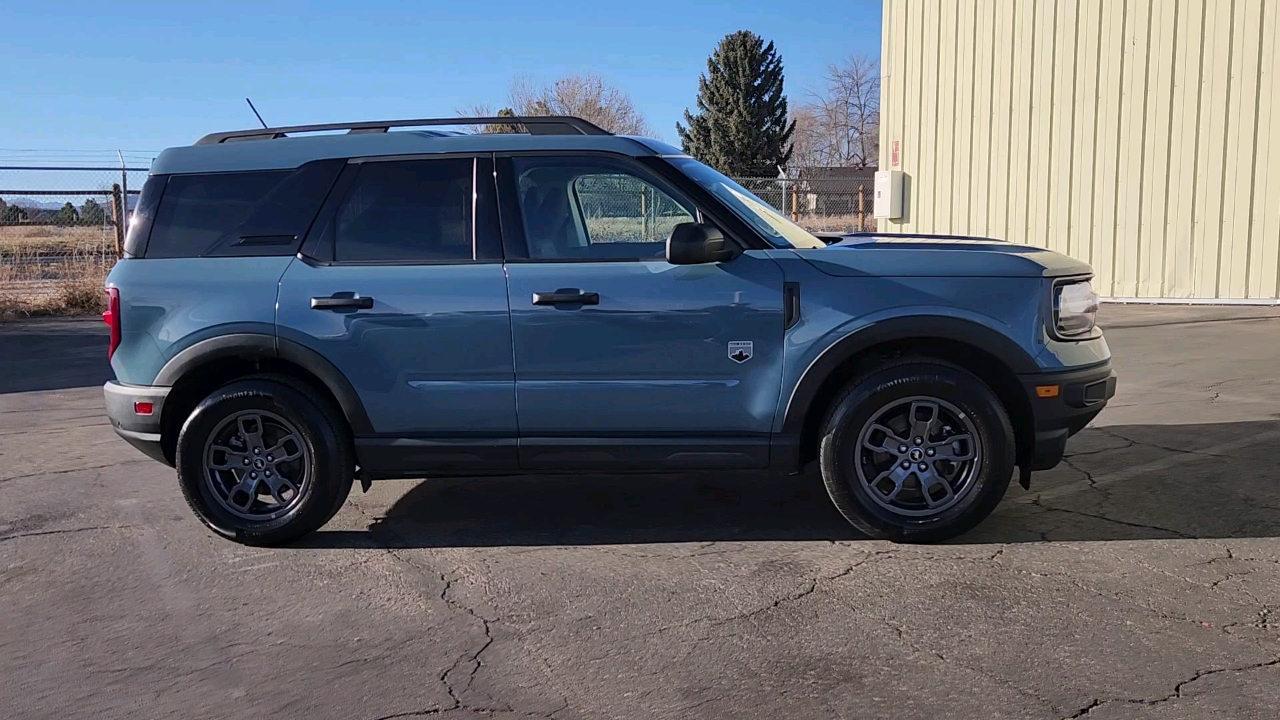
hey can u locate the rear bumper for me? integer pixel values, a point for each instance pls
(1081, 395)
(140, 431)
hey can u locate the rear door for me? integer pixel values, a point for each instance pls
(401, 286)
(622, 359)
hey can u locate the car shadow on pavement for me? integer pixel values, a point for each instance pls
(1118, 483)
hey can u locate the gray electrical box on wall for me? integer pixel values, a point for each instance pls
(888, 201)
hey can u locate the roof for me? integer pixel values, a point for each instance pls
(824, 172)
(281, 153)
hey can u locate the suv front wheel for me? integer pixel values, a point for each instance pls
(918, 451)
(261, 461)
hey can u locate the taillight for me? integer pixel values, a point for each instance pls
(112, 318)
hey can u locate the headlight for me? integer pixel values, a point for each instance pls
(1075, 308)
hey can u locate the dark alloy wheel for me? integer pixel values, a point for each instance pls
(917, 451)
(256, 465)
(918, 456)
(265, 460)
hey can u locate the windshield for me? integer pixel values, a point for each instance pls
(774, 226)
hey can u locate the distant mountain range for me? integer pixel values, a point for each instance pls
(31, 204)
(27, 203)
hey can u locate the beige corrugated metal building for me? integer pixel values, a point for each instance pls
(1142, 136)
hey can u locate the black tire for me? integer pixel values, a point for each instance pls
(908, 383)
(319, 436)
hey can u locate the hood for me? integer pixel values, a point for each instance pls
(939, 256)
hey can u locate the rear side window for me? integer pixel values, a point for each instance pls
(411, 211)
(197, 210)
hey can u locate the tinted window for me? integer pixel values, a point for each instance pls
(410, 211)
(197, 210)
(144, 212)
(594, 209)
(282, 216)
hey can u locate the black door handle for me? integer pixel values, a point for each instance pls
(338, 302)
(566, 296)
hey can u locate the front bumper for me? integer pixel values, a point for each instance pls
(1081, 395)
(140, 431)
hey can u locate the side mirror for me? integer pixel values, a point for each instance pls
(698, 243)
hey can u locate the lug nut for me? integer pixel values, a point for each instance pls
(930, 452)
(923, 467)
(269, 459)
(258, 451)
(902, 448)
(919, 441)
(246, 461)
(267, 473)
(253, 476)
(906, 465)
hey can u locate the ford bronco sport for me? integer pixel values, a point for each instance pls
(298, 309)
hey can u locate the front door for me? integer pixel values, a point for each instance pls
(405, 294)
(622, 359)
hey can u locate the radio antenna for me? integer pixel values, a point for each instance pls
(255, 112)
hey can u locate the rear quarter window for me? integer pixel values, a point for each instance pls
(197, 210)
(239, 213)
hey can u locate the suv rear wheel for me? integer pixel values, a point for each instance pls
(918, 451)
(263, 462)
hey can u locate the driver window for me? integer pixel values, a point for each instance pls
(589, 210)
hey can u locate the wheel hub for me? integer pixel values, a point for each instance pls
(918, 456)
(256, 465)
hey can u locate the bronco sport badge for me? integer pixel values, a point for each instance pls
(740, 351)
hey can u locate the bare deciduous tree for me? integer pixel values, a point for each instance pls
(585, 96)
(807, 143)
(840, 127)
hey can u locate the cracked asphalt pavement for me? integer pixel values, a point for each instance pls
(1140, 579)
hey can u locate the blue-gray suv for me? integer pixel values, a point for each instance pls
(301, 307)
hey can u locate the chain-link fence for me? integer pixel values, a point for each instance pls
(622, 208)
(61, 229)
(819, 204)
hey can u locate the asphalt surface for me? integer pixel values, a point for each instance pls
(1141, 579)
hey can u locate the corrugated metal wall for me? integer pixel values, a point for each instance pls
(1137, 135)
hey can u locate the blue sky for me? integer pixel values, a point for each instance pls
(84, 79)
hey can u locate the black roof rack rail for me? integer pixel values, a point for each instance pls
(546, 125)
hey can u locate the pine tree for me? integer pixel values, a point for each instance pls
(68, 215)
(742, 125)
(92, 213)
(12, 215)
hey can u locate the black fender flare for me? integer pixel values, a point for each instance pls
(255, 346)
(916, 327)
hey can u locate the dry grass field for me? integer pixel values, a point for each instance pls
(45, 238)
(837, 223)
(52, 270)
